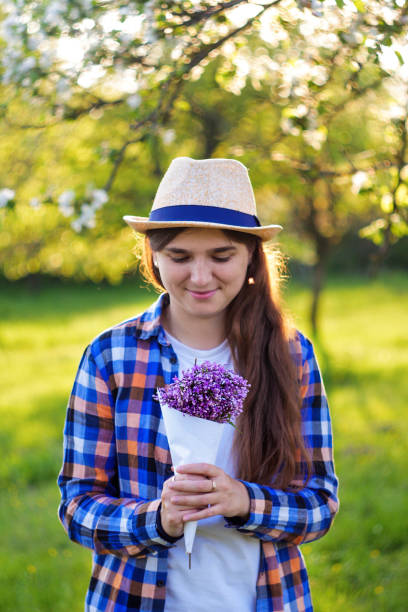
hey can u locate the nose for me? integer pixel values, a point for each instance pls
(200, 273)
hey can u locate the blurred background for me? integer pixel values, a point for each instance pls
(96, 98)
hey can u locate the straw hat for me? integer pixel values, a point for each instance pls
(210, 193)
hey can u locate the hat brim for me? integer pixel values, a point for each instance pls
(143, 225)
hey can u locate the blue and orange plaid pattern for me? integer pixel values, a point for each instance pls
(116, 459)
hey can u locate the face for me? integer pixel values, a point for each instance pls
(202, 270)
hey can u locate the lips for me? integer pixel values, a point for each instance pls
(202, 295)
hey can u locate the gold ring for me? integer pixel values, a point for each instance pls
(214, 485)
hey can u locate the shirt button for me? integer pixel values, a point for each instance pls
(173, 360)
(160, 583)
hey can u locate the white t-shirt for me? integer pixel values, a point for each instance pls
(224, 562)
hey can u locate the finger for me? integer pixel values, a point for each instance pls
(205, 469)
(193, 486)
(177, 477)
(175, 511)
(193, 500)
(202, 513)
(169, 496)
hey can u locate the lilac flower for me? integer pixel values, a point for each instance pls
(207, 391)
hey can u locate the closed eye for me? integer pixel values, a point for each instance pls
(220, 259)
(219, 255)
(216, 258)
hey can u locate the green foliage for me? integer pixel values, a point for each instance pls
(100, 96)
(70, 156)
(360, 565)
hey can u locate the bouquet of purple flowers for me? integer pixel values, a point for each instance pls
(195, 409)
(207, 391)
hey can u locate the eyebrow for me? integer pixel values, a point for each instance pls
(223, 249)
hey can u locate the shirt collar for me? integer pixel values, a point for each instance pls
(148, 324)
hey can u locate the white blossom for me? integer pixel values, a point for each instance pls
(65, 203)
(88, 215)
(62, 85)
(35, 203)
(53, 15)
(134, 101)
(74, 13)
(99, 198)
(85, 219)
(91, 76)
(319, 75)
(46, 59)
(150, 33)
(241, 14)
(27, 64)
(168, 136)
(86, 5)
(67, 211)
(11, 28)
(357, 181)
(315, 138)
(66, 198)
(301, 110)
(389, 60)
(6, 195)
(76, 225)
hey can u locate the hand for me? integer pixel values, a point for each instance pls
(215, 494)
(172, 514)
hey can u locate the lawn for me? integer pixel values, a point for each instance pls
(361, 565)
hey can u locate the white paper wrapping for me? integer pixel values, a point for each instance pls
(191, 440)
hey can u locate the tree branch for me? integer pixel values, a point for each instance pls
(210, 12)
(174, 84)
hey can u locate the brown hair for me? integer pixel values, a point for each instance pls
(269, 444)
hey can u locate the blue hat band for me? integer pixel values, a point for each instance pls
(204, 214)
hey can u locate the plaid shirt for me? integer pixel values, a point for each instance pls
(116, 459)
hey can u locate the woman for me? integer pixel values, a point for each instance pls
(273, 486)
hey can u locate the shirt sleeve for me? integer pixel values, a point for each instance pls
(305, 514)
(91, 510)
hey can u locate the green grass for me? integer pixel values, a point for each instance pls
(361, 565)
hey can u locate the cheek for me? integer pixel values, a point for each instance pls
(241, 272)
(171, 276)
(241, 279)
(241, 268)
(236, 276)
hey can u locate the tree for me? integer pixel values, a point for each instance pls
(311, 68)
(313, 149)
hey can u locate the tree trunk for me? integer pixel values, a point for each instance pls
(319, 279)
(377, 260)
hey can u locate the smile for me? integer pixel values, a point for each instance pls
(202, 295)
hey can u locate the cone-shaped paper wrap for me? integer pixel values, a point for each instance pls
(191, 440)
